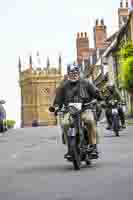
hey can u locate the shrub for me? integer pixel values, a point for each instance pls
(9, 123)
(126, 66)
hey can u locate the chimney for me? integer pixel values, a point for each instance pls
(102, 22)
(85, 35)
(100, 35)
(123, 13)
(82, 46)
(77, 35)
(96, 22)
(121, 4)
(126, 3)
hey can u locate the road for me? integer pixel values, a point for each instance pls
(32, 167)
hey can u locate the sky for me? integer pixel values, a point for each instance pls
(47, 26)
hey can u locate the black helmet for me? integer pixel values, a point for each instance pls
(72, 68)
(2, 101)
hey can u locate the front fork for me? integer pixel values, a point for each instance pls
(73, 138)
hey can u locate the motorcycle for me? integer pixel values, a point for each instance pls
(77, 134)
(115, 119)
(97, 111)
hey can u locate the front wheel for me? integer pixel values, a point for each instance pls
(76, 160)
(117, 133)
(115, 124)
(75, 154)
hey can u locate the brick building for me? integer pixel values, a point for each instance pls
(89, 56)
(84, 52)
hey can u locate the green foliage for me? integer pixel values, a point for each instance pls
(9, 123)
(126, 66)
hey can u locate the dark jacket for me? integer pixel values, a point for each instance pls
(113, 94)
(81, 91)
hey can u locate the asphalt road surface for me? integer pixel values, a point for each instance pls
(32, 167)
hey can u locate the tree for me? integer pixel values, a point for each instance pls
(126, 68)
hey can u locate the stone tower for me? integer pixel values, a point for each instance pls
(100, 35)
(123, 13)
(37, 92)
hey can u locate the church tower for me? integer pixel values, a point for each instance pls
(37, 91)
(123, 13)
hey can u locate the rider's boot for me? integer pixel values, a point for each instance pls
(68, 154)
(94, 151)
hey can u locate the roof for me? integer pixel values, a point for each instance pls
(113, 44)
(109, 39)
(115, 41)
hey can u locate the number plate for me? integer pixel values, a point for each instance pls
(76, 105)
(114, 110)
(71, 132)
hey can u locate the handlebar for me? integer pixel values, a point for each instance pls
(56, 110)
(90, 103)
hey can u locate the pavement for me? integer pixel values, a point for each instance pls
(32, 167)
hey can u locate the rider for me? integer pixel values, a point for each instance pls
(112, 93)
(75, 89)
(2, 116)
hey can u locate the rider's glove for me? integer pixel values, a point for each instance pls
(56, 111)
